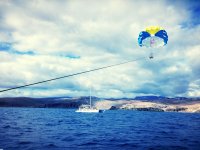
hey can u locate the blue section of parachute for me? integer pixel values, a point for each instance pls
(162, 34)
(143, 35)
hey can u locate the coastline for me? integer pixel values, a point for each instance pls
(193, 107)
(155, 105)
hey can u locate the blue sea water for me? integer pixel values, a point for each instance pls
(44, 128)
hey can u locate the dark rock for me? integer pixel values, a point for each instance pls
(149, 109)
(198, 111)
(177, 109)
(113, 108)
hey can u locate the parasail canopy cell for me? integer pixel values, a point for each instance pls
(153, 37)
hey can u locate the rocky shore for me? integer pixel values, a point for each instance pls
(137, 105)
(150, 103)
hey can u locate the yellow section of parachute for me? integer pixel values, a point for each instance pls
(153, 29)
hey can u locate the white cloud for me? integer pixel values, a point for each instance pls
(103, 34)
(194, 89)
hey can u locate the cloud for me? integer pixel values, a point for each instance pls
(48, 39)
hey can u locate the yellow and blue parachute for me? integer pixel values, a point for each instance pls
(153, 37)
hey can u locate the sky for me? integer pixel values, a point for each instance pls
(44, 39)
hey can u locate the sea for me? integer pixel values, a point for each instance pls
(64, 129)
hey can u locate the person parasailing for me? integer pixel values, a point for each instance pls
(153, 37)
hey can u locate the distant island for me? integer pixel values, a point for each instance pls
(141, 103)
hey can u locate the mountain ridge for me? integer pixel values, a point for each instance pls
(75, 102)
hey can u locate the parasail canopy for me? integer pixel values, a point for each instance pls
(153, 37)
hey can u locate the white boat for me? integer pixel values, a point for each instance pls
(88, 108)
